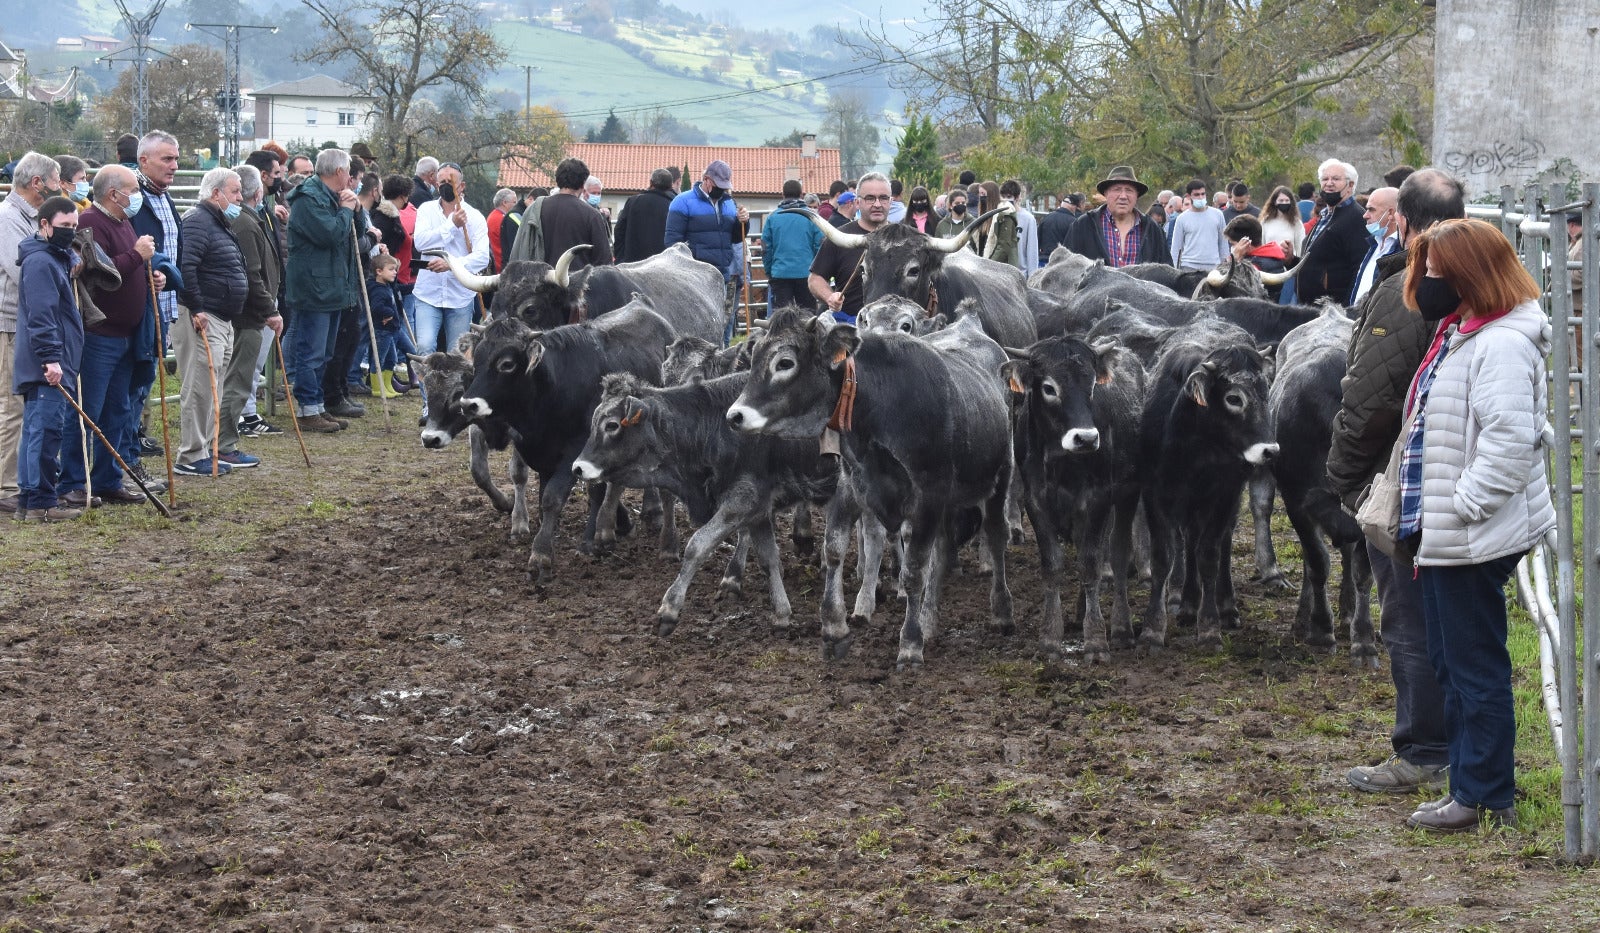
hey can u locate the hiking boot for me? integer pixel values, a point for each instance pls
(121, 496)
(316, 424)
(156, 486)
(338, 423)
(77, 499)
(1454, 817)
(357, 388)
(57, 513)
(344, 408)
(1432, 805)
(9, 503)
(1397, 776)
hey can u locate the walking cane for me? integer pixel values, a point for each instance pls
(160, 507)
(83, 439)
(372, 331)
(288, 396)
(216, 400)
(161, 376)
(745, 253)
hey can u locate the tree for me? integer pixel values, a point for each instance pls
(612, 131)
(794, 140)
(848, 124)
(659, 125)
(917, 162)
(410, 47)
(183, 89)
(536, 138)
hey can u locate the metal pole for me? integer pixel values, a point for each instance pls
(1590, 832)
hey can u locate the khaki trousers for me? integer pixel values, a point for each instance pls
(196, 411)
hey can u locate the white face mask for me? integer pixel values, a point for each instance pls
(1199, 202)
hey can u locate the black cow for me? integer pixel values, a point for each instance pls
(445, 377)
(894, 313)
(678, 439)
(938, 275)
(1204, 428)
(1231, 279)
(545, 385)
(925, 433)
(1075, 452)
(1104, 290)
(1305, 396)
(684, 291)
(1060, 274)
(691, 359)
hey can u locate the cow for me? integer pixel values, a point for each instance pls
(924, 430)
(1075, 449)
(1103, 289)
(1060, 274)
(1203, 430)
(544, 385)
(1231, 279)
(691, 359)
(683, 290)
(939, 274)
(1304, 398)
(679, 440)
(444, 378)
(894, 313)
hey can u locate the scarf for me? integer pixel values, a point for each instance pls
(147, 182)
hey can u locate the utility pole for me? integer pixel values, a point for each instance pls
(139, 52)
(229, 100)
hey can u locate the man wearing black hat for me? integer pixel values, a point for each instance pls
(1116, 233)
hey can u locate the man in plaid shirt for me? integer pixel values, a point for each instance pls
(1117, 233)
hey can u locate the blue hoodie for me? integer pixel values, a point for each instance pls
(49, 327)
(789, 242)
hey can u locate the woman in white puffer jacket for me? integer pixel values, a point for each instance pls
(1473, 486)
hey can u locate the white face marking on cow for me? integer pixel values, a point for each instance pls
(1080, 440)
(476, 407)
(434, 439)
(1261, 453)
(745, 418)
(585, 470)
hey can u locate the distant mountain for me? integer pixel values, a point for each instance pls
(801, 17)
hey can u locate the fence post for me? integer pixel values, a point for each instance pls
(1591, 523)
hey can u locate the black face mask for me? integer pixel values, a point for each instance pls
(1284, 205)
(447, 192)
(959, 208)
(61, 237)
(718, 192)
(1436, 299)
(919, 207)
(276, 186)
(1332, 198)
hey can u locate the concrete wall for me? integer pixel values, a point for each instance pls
(1517, 93)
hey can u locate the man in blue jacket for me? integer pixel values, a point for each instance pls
(789, 242)
(48, 350)
(707, 218)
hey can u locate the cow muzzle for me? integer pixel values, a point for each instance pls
(746, 419)
(476, 407)
(586, 471)
(435, 439)
(1260, 454)
(1081, 440)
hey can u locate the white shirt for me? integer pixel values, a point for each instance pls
(436, 231)
(1369, 269)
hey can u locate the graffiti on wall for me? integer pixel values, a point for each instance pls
(1519, 159)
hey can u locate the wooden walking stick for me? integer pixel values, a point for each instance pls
(83, 439)
(161, 376)
(288, 396)
(160, 506)
(216, 398)
(745, 253)
(372, 332)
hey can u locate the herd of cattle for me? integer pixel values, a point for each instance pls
(1124, 411)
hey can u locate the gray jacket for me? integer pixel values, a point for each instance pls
(17, 225)
(1484, 492)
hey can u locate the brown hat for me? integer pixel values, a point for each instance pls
(1122, 173)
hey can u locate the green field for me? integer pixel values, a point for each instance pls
(580, 76)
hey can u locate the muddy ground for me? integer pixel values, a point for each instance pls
(335, 702)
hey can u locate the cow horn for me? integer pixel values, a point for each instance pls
(949, 244)
(558, 275)
(834, 234)
(478, 328)
(478, 283)
(1278, 278)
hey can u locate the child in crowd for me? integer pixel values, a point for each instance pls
(394, 344)
(1244, 240)
(49, 349)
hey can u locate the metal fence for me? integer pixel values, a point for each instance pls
(1547, 580)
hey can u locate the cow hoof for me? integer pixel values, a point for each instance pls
(1096, 655)
(1122, 641)
(1151, 643)
(805, 547)
(521, 536)
(665, 623)
(668, 553)
(730, 587)
(1363, 657)
(1211, 642)
(1320, 640)
(857, 620)
(782, 622)
(1017, 536)
(836, 649)
(908, 665)
(1004, 627)
(1273, 580)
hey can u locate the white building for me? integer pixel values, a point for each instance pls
(315, 109)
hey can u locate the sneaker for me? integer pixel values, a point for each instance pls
(156, 486)
(344, 408)
(1454, 817)
(257, 426)
(316, 424)
(201, 467)
(76, 499)
(238, 459)
(149, 445)
(1397, 776)
(59, 513)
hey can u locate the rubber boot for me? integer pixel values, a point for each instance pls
(380, 384)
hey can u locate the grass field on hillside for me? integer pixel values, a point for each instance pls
(581, 76)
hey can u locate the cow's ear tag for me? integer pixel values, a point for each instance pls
(1198, 393)
(1015, 386)
(839, 355)
(1103, 378)
(633, 419)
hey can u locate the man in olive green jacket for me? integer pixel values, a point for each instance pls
(260, 309)
(321, 279)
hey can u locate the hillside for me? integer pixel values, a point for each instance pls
(585, 77)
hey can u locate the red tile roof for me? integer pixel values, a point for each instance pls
(757, 170)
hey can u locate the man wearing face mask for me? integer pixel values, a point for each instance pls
(592, 190)
(74, 180)
(34, 178)
(215, 285)
(1336, 245)
(707, 218)
(1389, 344)
(1383, 226)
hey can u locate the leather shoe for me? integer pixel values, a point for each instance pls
(344, 408)
(316, 424)
(76, 499)
(1454, 817)
(121, 496)
(9, 504)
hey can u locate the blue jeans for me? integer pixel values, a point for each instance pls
(430, 318)
(1419, 729)
(44, 420)
(107, 373)
(1465, 609)
(311, 341)
(393, 346)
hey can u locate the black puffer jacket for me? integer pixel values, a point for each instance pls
(214, 279)
(1389, 343)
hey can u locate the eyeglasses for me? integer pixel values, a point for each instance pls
(873, 198)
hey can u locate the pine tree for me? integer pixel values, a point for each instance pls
(917, 161)
(612, 131)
